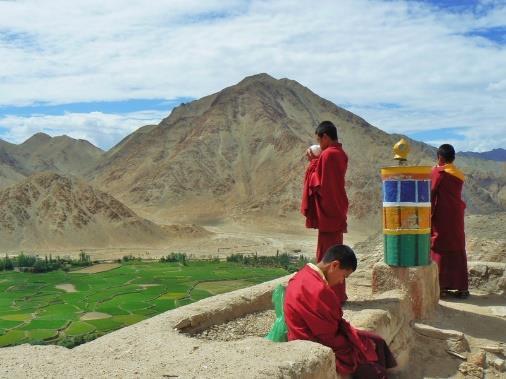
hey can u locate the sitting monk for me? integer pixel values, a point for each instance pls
(313, 312)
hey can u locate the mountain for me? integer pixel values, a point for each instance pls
(49, 210)
(241, 151)
(492, 155)
(9, 170)
(41, 152)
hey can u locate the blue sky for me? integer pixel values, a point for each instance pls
(119, 106)
(433, 70)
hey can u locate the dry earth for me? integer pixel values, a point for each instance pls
(67, 287)
(97, 268)
(94, 316)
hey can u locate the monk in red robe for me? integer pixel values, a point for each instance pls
(324, 200)
(313, 312)
(448, 241)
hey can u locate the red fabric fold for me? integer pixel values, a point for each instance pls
(308, 204)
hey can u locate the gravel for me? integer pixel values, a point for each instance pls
(253, 325)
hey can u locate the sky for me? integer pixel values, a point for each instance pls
(98, 70)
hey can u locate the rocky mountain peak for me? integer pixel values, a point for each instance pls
(37, 139)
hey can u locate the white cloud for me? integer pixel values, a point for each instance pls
(352, 52)
(101, 129)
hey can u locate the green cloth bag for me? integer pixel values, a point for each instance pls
(279, 331)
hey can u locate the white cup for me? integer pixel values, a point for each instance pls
(316, 150)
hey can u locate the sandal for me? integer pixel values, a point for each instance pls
(462, 294)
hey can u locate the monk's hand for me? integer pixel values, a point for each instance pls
(309, 154)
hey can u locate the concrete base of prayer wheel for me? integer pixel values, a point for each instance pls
(420, 283)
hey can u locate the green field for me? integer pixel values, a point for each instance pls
(33, 310)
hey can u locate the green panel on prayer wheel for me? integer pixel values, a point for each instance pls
(407, 250)
(423, 249)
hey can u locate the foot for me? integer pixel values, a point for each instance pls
(462, 294)
(443, 294)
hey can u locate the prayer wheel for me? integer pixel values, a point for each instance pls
(406, 215)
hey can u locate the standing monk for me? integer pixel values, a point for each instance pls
(324, 200)
(448, 245)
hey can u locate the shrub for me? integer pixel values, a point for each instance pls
(6, 264)
(25, 260)
(73, 341)
(175, 257)
(283, 260)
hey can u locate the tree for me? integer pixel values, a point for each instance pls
(25, 260)
(40, 266)
(8, 264)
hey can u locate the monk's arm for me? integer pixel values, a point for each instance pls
(325, 324)
(311, 179)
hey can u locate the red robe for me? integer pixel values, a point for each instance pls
(448, 243)
(324, 201)
(313, 312)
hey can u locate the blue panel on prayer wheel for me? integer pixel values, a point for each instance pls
(390, 191)
(408, 191)
(423, 191)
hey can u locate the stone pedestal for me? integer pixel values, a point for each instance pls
(420, 283)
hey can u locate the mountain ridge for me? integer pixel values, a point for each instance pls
(240, 150)
(41, 152)
(498, 154)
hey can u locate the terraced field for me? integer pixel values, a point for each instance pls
(52, 307)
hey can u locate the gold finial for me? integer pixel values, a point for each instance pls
(401, 150)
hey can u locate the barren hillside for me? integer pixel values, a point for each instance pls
(48, 210)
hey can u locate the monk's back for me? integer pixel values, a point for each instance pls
(333, 202)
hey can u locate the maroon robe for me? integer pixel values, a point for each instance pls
(448, 243)
(324, 201)
(313, 312)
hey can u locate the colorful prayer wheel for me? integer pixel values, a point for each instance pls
(406, 215)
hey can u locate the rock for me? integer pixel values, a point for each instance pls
(420, 283)
(477, 359)
(501, 283)
(496, 268)
(478, 269)
(493, 348)
(455, 340)
(470, 370)
(498, 363)
(432, 332)
(458, 345)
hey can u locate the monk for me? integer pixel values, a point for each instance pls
(313, 312)
(324, 200)
(448, 244)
